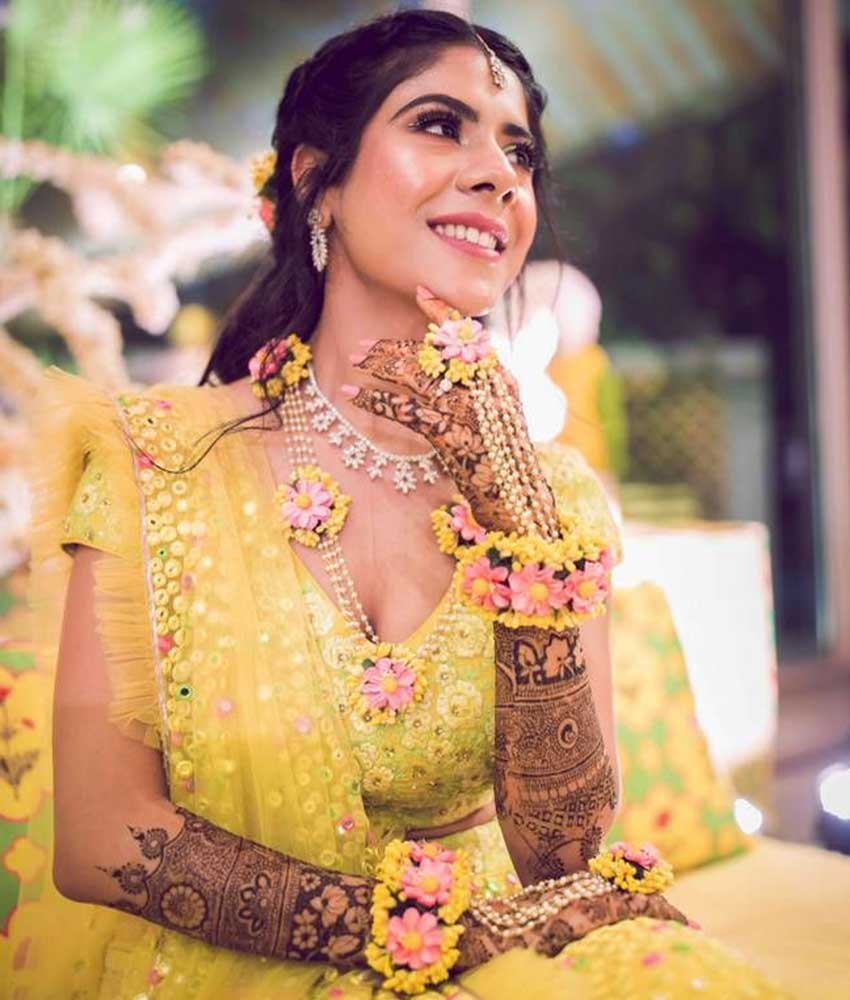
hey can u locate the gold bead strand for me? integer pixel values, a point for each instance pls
(529, 464)
(501, 458)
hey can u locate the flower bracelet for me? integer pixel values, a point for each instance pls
(523, 579)
(422, 891)
(620, 866)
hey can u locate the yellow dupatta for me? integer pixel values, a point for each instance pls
(211, 658)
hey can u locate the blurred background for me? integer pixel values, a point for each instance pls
(695, 348)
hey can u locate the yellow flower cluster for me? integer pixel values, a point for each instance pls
(614, 867)
(387, 895)
(262, 168)
(464, 372)
(292, 372)
(577, 542)
(367, 656)
(339, 507)
(441, 522)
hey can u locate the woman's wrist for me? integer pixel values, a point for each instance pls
(418, 905)
(520, 580)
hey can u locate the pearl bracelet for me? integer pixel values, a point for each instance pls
(518, 918)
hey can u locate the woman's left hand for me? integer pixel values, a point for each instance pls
(448, 420)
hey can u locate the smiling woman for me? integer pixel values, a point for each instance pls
(269, 676)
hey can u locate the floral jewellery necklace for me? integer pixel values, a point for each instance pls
(357, 449)
(384, 679)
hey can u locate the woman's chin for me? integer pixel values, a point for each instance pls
(469, 301)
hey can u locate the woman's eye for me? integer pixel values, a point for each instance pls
(526, 155)
(431, 120)
(447, 125)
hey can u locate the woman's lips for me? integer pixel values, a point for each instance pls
(483, 253)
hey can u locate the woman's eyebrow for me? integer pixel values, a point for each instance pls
(464, 110)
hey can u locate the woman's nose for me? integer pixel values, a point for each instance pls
(490, 170)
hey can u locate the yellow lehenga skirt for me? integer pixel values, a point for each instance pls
(228, 657)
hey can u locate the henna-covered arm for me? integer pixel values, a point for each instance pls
(556, 779)
(196, 878)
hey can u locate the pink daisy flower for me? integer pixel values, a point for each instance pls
(587, 588)
(307, 505)
(465, 525)
(268, 360)
(414, 939)
(646, 856)
(485, 584)
(428, 883)
(535, 590)
(431, 849)
(388, 684)
(463, 338)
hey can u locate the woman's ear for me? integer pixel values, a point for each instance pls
(305, 159)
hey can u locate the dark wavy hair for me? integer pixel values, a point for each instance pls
(327, 103)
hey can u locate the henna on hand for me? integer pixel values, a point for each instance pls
(233, 893)
(554, 781)
(448, 420)
(582, 916)
(571, 922)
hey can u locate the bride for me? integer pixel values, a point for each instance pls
(302, 749)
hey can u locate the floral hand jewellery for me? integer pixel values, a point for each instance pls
(524, 580)
(458, 350)
(633, 869)
(619, 867)
(422, 891)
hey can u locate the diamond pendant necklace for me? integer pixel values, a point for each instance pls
(294, 413)
(358, 450)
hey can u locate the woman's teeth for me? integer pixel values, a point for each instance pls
(468, 233)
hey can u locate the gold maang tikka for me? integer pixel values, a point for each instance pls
(497, 67)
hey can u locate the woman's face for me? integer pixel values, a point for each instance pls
(462, 159)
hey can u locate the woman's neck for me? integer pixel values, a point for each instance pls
(351, 315)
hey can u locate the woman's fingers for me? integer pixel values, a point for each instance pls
(396, 361)
(395, 406)
(435, 309)
(403, 409)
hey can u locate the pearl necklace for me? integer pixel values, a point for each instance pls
(357, 448)
(294, 413)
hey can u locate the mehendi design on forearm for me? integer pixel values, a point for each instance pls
(233, 893)
(554, 779)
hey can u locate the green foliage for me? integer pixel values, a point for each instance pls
(93, 75)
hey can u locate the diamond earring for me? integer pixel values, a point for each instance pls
(318, 240)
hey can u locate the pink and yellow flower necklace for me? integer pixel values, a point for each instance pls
(384, 679)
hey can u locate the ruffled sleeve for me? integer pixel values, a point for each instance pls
(578, 490)
(84, 492)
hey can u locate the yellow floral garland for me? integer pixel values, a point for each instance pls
(388, 894)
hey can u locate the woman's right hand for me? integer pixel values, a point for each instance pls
(478, 944)
(448, 420)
